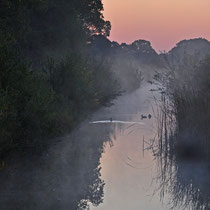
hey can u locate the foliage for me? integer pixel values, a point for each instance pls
(25, 108)
(48, 82)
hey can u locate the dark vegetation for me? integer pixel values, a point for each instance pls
(183, 123)
(49, 80)
(57, 66)
(131, 63)
(67, 176)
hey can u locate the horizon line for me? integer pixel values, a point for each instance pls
(160, 51)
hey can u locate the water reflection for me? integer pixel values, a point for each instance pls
(183, 165)
(188, 183)
(106, 164)
(67, 177)
(128, 168)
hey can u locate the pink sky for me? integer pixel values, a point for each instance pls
(163, 22)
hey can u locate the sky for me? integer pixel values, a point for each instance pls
(162, 22)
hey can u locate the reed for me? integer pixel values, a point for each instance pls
(183, 146)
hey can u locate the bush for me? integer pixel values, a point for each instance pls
(37, 105)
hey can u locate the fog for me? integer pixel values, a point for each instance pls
(73, 173)
(112, 160)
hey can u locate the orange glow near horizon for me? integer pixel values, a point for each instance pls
(163, 22)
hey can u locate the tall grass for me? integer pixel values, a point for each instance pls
(184, 137)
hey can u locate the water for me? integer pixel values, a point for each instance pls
(128, 167)
(107, 163)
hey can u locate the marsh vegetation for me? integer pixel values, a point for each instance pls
(183, 146)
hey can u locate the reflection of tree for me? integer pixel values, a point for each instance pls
(67, 177)
(95, 192)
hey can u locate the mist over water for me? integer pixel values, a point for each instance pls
(128, 169)
(69, 173)
(106, 163)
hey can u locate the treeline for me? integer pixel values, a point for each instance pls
(131, 63)
(49, 79)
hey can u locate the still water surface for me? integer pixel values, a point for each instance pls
(103, 165)
(128, 168)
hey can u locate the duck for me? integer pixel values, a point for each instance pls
(143, 117)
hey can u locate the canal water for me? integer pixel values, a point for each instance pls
(128, 166)
(106, 163)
